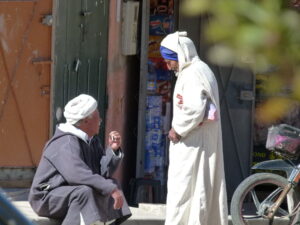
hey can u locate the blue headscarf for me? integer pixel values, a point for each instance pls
(168, 54)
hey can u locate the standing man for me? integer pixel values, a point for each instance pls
(196, 181)
(73, 180)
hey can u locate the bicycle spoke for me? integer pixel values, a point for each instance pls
(255, 199)
(272, 195)
(282, 211)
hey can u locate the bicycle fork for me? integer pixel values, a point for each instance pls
(293, 181)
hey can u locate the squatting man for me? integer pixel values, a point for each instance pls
(73, 180)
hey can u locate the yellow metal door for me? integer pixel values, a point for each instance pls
(25, 63)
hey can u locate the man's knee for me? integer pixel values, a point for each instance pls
(83, 192)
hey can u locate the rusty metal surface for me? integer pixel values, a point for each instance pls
(25, 60)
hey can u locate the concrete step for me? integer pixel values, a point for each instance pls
(158, 211)
(145, 214)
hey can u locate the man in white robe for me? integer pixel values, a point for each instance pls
(196, 180)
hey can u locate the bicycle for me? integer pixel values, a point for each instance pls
(267, 195)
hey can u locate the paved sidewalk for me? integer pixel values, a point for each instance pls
(145, 214)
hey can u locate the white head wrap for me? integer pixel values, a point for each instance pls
(79, 108)
(184, 47)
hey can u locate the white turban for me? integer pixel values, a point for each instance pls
(79, 108)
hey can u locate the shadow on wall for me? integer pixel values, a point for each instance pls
(131, 121)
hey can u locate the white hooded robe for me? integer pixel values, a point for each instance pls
(196, 181)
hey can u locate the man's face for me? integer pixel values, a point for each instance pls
(93, 123)
(172, 65)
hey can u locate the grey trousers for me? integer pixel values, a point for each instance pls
(66, 203)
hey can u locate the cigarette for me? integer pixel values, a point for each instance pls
(113, 138)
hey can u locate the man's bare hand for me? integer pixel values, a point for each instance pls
(118, 199)
(114, 140)
(173, 136)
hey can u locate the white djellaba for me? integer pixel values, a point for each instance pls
(196, 181)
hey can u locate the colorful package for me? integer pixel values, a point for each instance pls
(154, 45)
(161, 24)
(161, 7)
(159, 68)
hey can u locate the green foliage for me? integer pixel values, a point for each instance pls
(255, 34)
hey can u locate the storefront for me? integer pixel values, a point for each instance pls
(236, 88)
(156, 82)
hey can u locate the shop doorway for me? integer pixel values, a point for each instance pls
(236, 88)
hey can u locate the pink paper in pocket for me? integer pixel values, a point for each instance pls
(212, 112)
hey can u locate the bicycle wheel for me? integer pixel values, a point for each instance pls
(256, 194)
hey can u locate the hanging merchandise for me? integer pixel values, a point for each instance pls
(153, 46)
(158, 104)
(161, 7)
(154, 126)
(161, 24)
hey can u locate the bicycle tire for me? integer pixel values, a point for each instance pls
(239, 198)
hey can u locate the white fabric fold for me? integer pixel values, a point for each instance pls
(69, 128)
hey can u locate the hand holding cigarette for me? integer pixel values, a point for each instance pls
(114, 140)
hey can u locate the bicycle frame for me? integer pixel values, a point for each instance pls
(292, 171)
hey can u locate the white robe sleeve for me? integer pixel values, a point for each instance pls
(191, 112)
